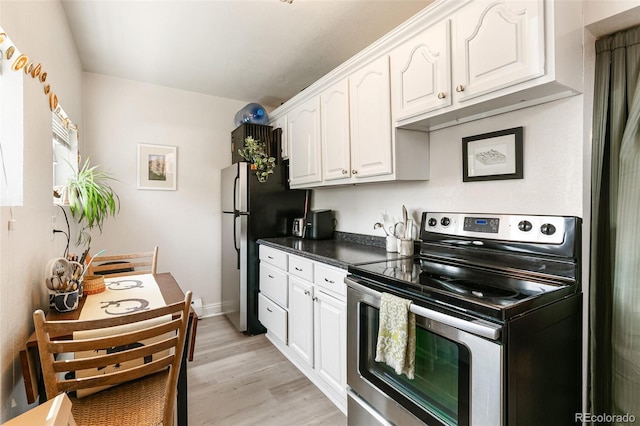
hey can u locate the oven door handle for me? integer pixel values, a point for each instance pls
(476, 326)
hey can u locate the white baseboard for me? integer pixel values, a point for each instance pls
(211, 310)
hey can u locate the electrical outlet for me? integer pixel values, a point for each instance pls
(12, 224)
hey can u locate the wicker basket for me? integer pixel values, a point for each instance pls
(93, 284)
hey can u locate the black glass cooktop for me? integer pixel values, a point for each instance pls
(469, 289)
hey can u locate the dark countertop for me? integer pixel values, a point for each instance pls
(342, 251)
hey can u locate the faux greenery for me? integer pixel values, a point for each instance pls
(254, 152)
(91, 199)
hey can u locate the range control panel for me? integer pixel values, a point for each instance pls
(525, 228)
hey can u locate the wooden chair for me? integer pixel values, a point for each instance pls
(125, 264)
(141, 395)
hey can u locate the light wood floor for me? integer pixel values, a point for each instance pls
(238, 380)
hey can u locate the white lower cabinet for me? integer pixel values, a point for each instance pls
(330, 339)
(309, 324)
(301, 319)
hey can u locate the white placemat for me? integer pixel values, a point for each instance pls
(123, 295)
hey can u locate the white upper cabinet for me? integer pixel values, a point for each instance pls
(504, 55)
(370, 111)
(281, 123)
(454, 62)
(304, 143)
(421, 72)
(356, 125)
(496, 45)
(336, 146)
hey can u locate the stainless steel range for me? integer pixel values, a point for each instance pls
(498, 303)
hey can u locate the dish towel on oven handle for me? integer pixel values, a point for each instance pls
(396, 345)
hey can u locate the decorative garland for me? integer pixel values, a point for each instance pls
(22, 62)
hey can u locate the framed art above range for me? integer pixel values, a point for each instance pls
(493, 156)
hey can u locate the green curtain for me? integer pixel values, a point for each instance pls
(614, 324)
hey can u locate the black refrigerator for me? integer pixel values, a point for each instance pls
(251, 210)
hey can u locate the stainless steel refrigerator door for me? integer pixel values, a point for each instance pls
(234, 188)
(234, 245)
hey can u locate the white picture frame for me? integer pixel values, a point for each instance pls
(157, 167)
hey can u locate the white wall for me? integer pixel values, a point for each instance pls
(39, 30)
(185, 224)
(552, 184)
(603, 17)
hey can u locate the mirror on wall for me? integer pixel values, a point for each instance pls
(65, 153)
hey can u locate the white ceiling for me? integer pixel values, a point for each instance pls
(262, 51)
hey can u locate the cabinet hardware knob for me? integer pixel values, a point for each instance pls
(329, 281)
(459, 88)
(269, 309)
(442, 95)
(270, 257)
(354, 172)
(306, 292)
(298, 269)
(344, 172)
(315, 299)
(271, 276)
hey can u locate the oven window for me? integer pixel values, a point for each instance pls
(440, 388)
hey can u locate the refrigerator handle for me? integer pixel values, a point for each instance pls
(235, 196)
(235, 239)
(236, 215)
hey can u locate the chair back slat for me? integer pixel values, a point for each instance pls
(114, 358)
(122, 339)
(116, 378)
(121, 265)
(59, 328)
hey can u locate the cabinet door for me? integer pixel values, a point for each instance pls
(421, 73)
(281, 123)
(370, 118)
(496, 45)
(330, 340)
(304, 143)
(334, 113)
(301, 319)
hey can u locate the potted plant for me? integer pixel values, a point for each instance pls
(91, 200)
(254, 153)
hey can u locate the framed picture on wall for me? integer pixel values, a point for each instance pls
(493, 156)
(157, 167)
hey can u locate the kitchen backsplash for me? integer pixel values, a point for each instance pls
(552, 184)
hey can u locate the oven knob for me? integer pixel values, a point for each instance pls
(432, 221)
(525, 226)
(445, 221)
(548, 229)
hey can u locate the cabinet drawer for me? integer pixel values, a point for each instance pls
(275, 257)
(331, 279)
(273, 317)
(274, 284)
(301, 267)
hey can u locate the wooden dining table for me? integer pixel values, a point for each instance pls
(171, 293)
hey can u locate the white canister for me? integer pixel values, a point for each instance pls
(392, 244)
(405, 247)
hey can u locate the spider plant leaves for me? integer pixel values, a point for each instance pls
(92, 199)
